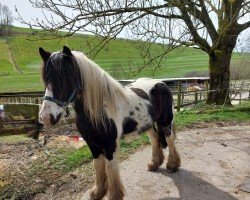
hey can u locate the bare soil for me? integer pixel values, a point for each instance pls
(19, 153)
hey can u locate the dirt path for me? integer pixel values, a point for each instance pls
(215, 162)
(12, 59)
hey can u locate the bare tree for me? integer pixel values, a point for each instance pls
(210, 25)
(6, 19)
(1, 20)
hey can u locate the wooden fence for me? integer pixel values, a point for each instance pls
(183, 97)
(179, 88)
(21, 98)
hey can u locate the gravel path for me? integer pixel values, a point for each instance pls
(215, 164)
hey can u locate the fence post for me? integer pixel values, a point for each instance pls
(182, 98)
(179, 97)
(206, 87)
(196, 97)
(240, 99)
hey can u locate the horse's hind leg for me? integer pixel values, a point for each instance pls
(157, 152)
(174, 160)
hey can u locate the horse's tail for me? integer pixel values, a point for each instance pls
(161, 137)
(174, 131)
(162, 101)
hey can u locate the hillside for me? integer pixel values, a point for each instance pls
(20, 60)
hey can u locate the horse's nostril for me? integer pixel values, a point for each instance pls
(53, 121)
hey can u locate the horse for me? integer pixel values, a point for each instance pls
(105, 111)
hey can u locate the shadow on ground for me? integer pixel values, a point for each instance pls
(192, 187)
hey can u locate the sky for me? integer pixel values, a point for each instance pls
(28, 13)
(24, 7)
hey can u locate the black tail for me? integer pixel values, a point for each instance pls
(161, 138)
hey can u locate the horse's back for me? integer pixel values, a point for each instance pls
(146, 84)
(160, 97)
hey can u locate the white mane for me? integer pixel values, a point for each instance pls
(100, 90)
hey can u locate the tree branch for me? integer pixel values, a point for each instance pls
(242, 27)
(202, 43)
(206, 20)
(212, 6)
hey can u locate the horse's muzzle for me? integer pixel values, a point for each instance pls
(54, 120)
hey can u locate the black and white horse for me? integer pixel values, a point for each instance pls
(105, 110)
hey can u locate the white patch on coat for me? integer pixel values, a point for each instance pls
(49, 108)
(134, 104)
(145, 84)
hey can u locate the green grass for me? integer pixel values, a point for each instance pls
(21, 82)
(67, 161)
(13, 138)
(203, 113)
(5, 65)
(118, 56)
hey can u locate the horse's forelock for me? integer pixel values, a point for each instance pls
(61, 71)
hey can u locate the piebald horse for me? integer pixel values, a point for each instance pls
(105, 111)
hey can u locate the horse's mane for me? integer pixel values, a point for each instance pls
(100, 91)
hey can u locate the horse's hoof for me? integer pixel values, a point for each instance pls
(96, 194)
(152, 167)
(172, 169)
(112, 198)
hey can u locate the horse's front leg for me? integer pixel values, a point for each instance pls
(116, 189)
(100, 187)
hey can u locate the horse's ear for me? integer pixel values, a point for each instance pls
(67, 51)
(44, 54)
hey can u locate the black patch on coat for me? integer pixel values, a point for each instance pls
(131, 113)
(137, 108)
(100, 139)
(129, 125)
(141, 93)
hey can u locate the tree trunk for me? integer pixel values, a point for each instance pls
(219, 70)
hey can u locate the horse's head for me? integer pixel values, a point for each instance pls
(61, 76)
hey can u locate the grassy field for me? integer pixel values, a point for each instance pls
(117, 57)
